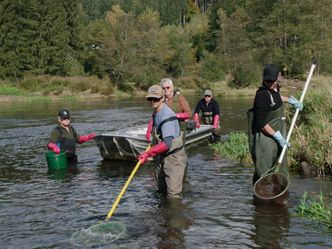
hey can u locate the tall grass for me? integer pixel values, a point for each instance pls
(315, 207)
(311, 139)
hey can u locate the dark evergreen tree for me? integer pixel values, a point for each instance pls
(19, 30)
(214, 26)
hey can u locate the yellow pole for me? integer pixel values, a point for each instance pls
(110, 213)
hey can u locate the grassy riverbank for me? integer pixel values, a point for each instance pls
(55, 87)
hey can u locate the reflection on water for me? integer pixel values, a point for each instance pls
(42, 208)
(63, 174)
(271, 225)
(176, 216)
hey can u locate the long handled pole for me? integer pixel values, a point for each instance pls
(297, 112)
(110, 213)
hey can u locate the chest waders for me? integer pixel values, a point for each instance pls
(264, 149)
(170, 167)
(68, 144)
(207, 118)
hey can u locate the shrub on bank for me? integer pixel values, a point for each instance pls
(235, 148)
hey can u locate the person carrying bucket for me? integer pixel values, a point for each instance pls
(171, 157)
(267, 124)
(64, 137)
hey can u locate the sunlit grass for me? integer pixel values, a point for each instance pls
(11, 90)
(316, 208)
(235, 148)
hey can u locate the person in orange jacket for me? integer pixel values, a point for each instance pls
(64, 137)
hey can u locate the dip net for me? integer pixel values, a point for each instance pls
(99, 234)
(272, 187)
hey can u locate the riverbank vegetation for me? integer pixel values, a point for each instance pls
(316, 207)
(235, 148)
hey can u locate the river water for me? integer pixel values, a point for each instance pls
(42, 209)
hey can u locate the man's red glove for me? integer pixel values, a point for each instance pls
(196, 119)
(54, 147)
(154, 151)
(149, 130)
(182, 116)
(86, 138)
(216, 121)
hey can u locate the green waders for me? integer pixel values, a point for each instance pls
(264, 149)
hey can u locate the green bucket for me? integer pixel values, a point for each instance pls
(56, 161)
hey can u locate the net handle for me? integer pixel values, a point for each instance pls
(297, 112)
(110, 213)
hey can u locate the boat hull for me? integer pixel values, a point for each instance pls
(127, 144)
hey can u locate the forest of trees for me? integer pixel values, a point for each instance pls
(140, 41)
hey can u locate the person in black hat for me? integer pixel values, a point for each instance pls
(64, 137)
(267, 124)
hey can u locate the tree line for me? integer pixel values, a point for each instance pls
(140, 41)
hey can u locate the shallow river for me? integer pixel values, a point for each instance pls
(41, 209)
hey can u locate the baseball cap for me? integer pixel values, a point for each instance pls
(208, 92)
(155, 91)
(64, 114)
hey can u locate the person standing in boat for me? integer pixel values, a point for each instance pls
(171, 157)
(64, 137)
(267, 123)
(210, 110)
(175, 101)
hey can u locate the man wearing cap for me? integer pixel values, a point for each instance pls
(175, 101)
(210, 110)
(171, 158)
(267, 124)
(64, 137)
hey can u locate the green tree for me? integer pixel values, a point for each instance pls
(130, 47)
(290, 33)
(17, 37)
(234, 48)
